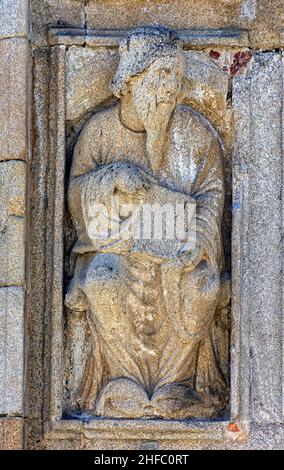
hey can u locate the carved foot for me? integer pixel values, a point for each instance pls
(125, 398)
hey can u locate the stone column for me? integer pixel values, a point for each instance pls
(14, 156)
(257, 343)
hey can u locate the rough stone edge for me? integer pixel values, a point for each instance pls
(243, 294)
(266, 236)
(121, 434)
(240, 283)
(232, 445)
(12, 428)
(23, 30)
(110, 38)
(54, 236)
(18, 57)
(36, 258)
(45, 300)
(11, 433)
(12, 373)
(108, 434)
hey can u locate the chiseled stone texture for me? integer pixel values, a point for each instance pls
(268, 24)
(89, 73)
(11, 350)
(263, 18)
(12, 223)
(46, 13)
(13, 98)
(13, 18)
(11, 433)
(198, 13)
(110, 159)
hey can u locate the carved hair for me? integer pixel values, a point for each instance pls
(139, 49)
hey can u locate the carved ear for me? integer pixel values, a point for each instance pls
(75, 298)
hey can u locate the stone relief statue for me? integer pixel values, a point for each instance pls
(151, 306)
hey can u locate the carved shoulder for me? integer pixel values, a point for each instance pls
(194, 125)
(96, 131)
(104, 117)
(98, 124)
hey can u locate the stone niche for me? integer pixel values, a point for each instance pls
(238, 93)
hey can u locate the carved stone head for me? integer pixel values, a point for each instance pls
(150, 75)
(140, 48)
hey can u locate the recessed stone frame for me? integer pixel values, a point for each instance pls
(256, 359)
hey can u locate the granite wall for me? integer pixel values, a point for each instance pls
(48, 51)
(15, 144)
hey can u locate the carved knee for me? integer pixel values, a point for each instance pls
(103, 274)
(200, 293)
(203, 282)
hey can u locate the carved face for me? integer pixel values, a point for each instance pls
(156, 90)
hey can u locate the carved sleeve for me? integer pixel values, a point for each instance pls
(86, 160)
(208, 191)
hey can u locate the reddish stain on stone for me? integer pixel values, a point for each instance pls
(233, 427)
(214, 54)
(240, 60)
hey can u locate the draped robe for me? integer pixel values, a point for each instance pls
(151, 323)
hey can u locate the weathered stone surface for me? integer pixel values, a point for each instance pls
(268, 24)
(36, 279)
(11, 350)
(136, 435)
(177, 13)
(12, 223)
(11, 433)
(14, 18)
(206, 87)
(192, 38)
(14, 57)
(55, 13)
(12, 190)
(54, 224)
(258, 251)
(263, 19)
(257, 187)
(89, 73)
(146, 292)
(161, 435)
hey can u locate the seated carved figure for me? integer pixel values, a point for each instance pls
(150, 307)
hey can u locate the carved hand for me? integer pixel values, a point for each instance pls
(190, 259)
(121, 177)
